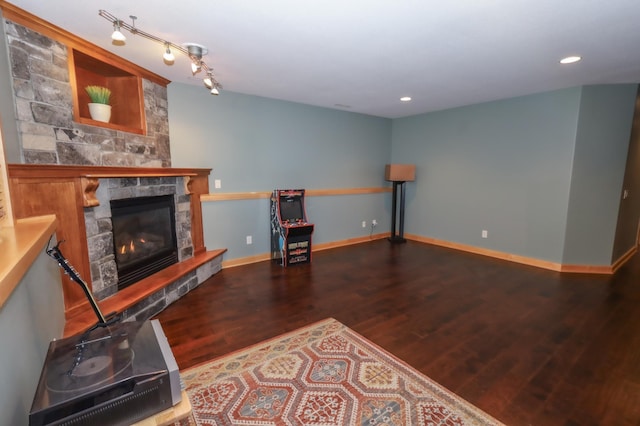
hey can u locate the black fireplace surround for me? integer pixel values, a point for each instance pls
(144, 236)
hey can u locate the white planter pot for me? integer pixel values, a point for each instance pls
(100, 112)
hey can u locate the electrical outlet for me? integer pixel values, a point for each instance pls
(217, 183)
(485, 233)
(374, 223)
(249, 239)
(364, 223)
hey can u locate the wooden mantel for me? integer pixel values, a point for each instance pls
(38, 190)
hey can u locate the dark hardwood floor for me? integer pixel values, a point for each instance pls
(528, 346)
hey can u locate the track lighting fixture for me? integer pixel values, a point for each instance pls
(194, 51)
(117, 34)
(212, 84)
(168, 55)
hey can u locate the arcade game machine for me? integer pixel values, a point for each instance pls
(290, 231)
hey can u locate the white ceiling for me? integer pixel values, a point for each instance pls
(363, 55)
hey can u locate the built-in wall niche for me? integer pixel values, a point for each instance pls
(127, 98)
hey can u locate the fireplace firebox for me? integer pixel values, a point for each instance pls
(144, 236)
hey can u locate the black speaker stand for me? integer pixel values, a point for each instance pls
(399, 237)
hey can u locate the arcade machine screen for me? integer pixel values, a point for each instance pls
(291, 210)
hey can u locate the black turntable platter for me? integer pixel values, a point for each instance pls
(93, 366)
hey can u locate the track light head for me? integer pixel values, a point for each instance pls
(210, 82)
(168, 54)
(117, 34)
(195, 51)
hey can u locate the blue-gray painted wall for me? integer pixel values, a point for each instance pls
(541, 173)
(259, 144)
(504, 167)
(602, 141)
(628, 228)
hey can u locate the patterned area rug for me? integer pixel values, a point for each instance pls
(321, 375)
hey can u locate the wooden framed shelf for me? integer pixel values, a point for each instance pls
(127, 97)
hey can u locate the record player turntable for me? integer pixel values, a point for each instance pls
(114, 375)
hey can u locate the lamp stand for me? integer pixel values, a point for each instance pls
(397, 238)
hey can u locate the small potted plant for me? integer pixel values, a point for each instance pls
(99, 107)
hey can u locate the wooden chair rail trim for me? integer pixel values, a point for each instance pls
(256, 195)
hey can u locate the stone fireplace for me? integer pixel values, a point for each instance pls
(114, 267)
(81, 196)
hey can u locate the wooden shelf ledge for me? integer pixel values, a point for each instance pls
(20, 245)
(84, 316)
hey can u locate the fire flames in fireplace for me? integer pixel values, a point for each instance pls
(138, 245)
(131, 248)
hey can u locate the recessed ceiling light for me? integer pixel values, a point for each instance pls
(405, 98)
(570, 59)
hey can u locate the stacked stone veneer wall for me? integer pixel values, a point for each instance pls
(104, 277)
(44, 112)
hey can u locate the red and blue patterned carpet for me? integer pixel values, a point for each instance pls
(321, 375)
